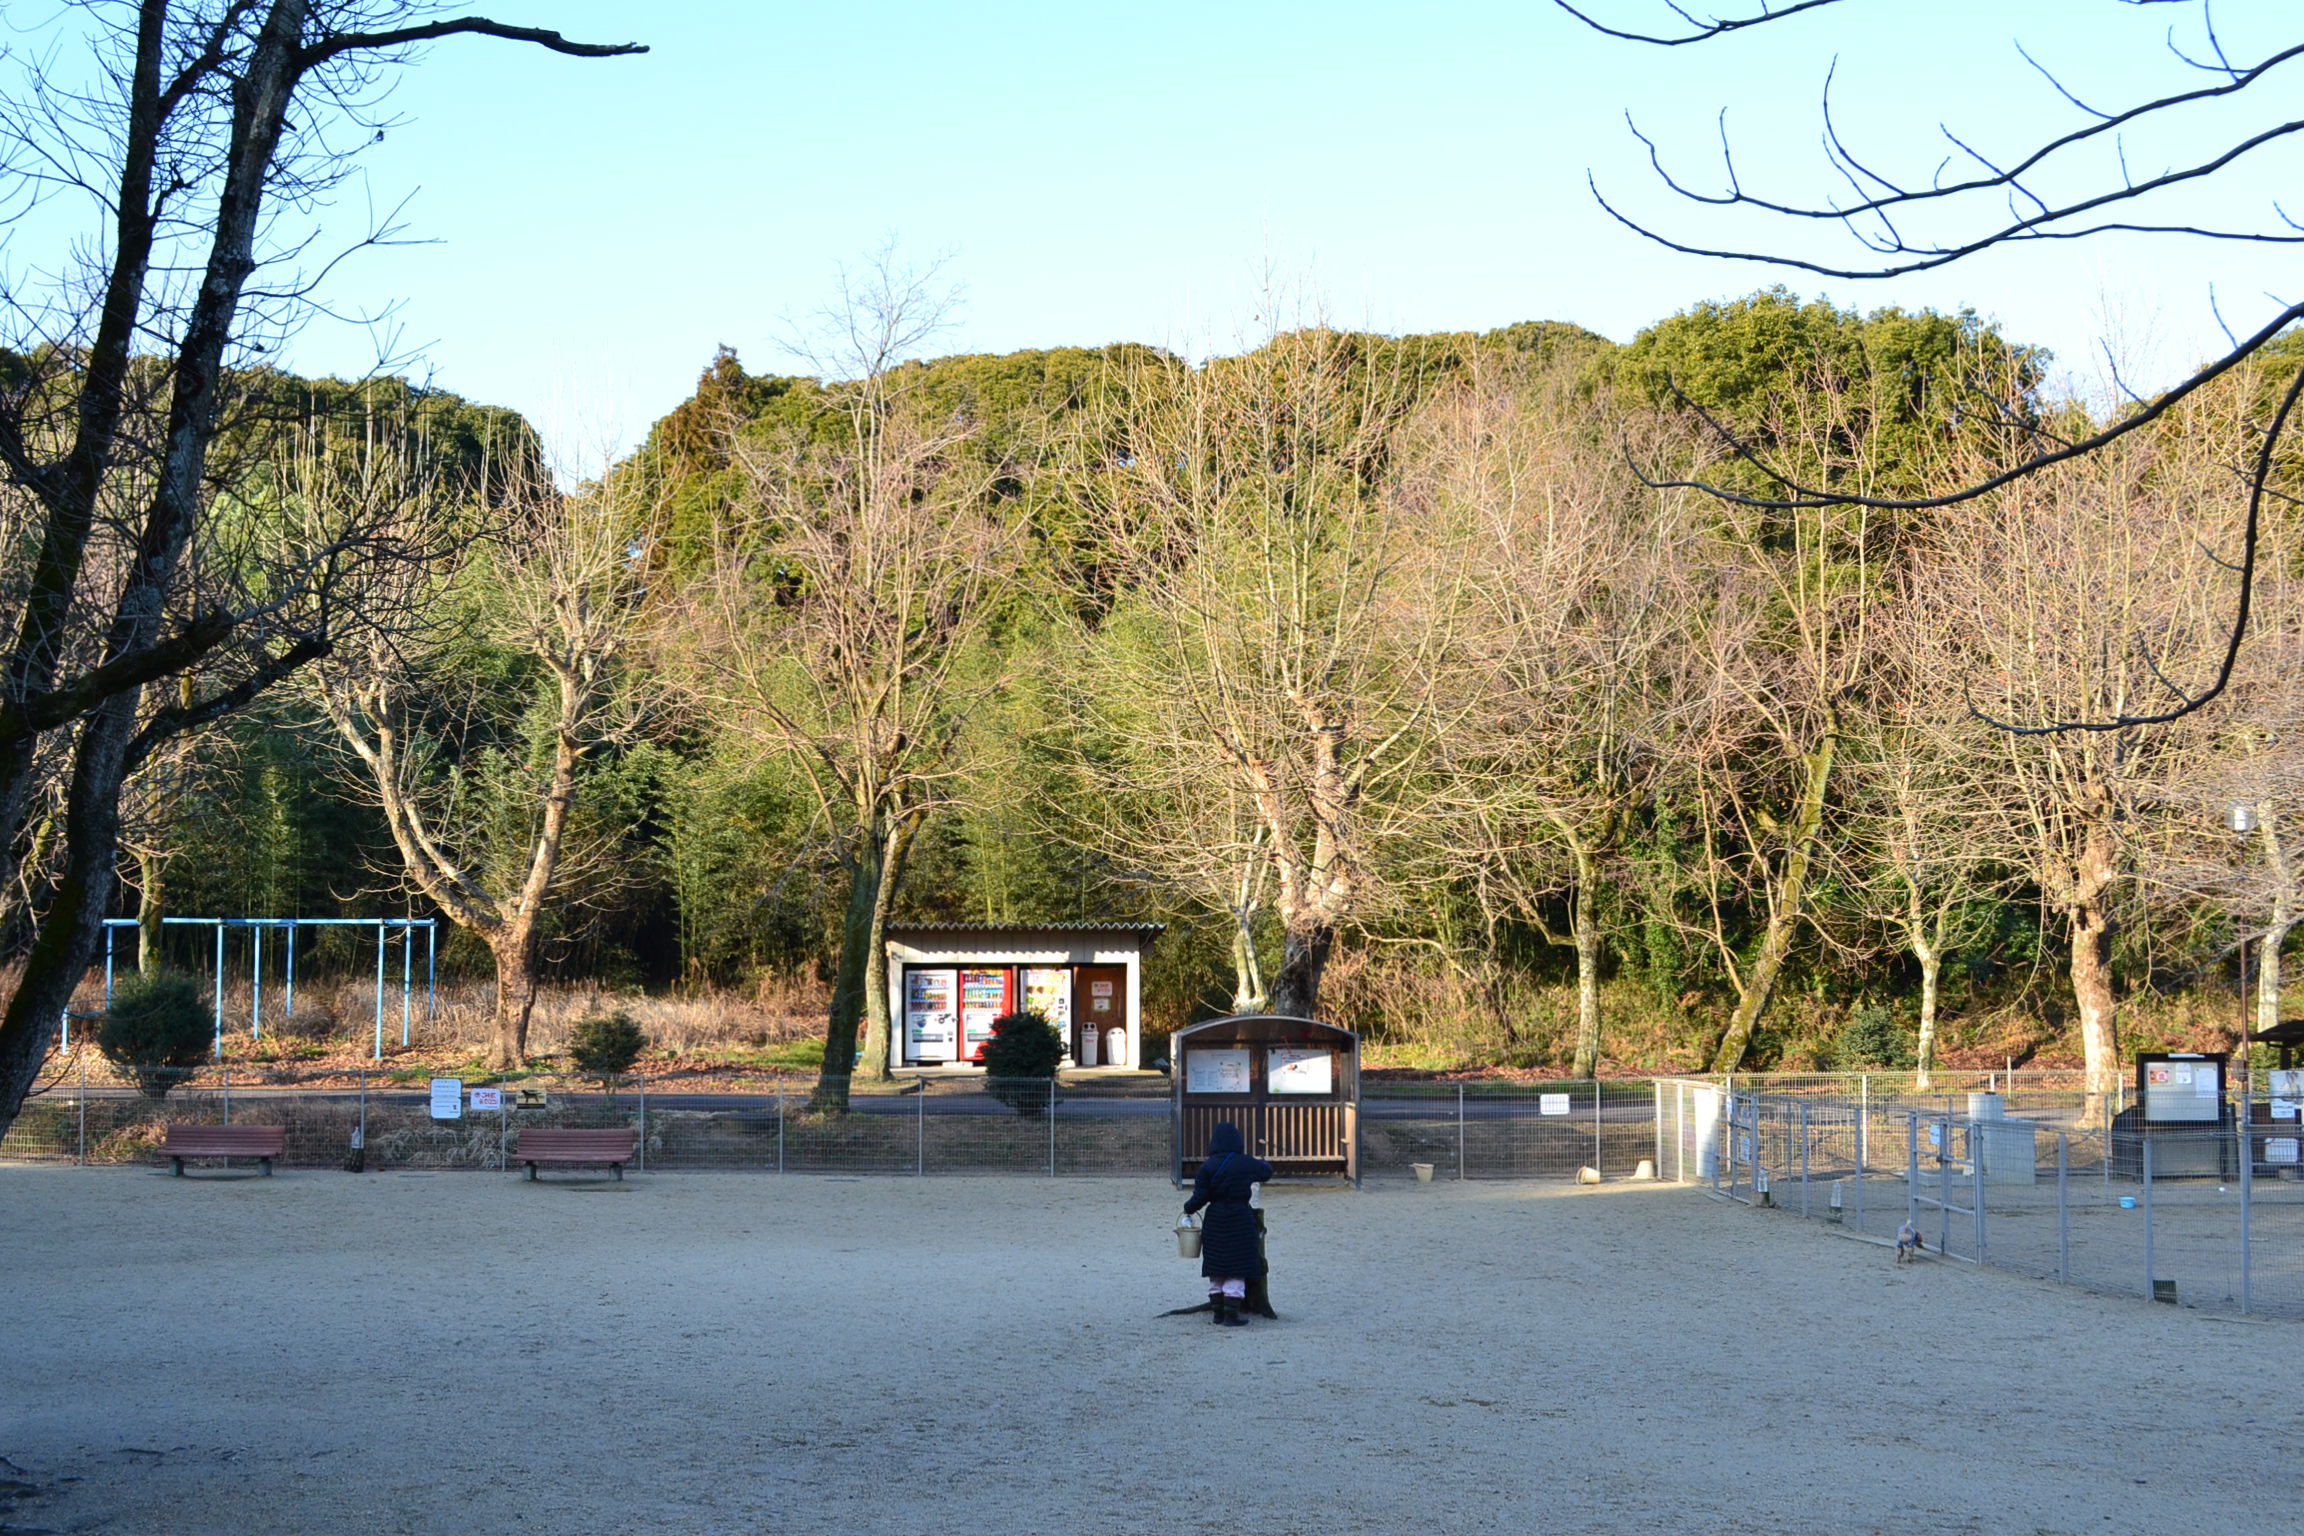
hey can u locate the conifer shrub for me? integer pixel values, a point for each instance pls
(1020, 1061)
(605, 1046)
(157, 1030)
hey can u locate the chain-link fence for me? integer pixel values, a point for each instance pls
(767, 1122)
(2078, 1192)
(1472, 1130)
(84, 1113)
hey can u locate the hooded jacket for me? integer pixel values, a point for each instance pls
(1228, 1245)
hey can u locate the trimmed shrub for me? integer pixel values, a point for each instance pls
(1870, 1038)
(1020, 1061)
(157, 1030)
(605, 1046)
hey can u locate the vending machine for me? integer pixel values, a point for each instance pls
(984, 996)
(1047, 992)
(931, 1015)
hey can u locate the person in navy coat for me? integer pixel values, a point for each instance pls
(1230, 1251)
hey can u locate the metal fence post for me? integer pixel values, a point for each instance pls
(1658, 1165)
(503, 1130)
(361, 1130)
(779, 1125)
(640, 1086)
(1976, 1186)
(1912, 1169)
(2247, 1203)
(1943, 1185)
(227, 1095)
(1860, 1118)
(1459, 1132)
(1596, 1125)
(1803, 1159)
(2151, 1271)
(2063, 1207)
(920, 1131)
(82, 1156)
(1051, 1125)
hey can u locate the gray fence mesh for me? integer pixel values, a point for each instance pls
(2068, 1190)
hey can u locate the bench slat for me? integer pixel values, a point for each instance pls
(226, 1140)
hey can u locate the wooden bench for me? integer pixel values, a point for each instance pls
(575, 1149)
(225, 1142)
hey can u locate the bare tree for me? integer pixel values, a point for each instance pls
(1578, 585)
(1921, 839)
(2071, 596)
(1969, 199)
(479, 792)
(201, 123)
(842, 623)
(1269, 676)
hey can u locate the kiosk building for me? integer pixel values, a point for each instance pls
(947, 982)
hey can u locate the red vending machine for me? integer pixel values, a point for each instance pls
(984, 996)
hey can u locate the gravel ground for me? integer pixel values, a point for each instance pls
(407, 1352)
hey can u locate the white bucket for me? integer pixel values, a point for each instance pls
(1423, 1172)
(1088, 1047)
(1187, 1240)
(1644, 1170)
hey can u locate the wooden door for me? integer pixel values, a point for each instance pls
(1099, 1001)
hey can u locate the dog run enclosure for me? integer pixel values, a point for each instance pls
(256, 928)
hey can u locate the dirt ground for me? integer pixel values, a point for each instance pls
(444, 1352)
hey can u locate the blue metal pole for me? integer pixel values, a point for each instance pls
(219, 989)
(256, 983)
(407, 970)
(290, 1009)
(107, 971)
(379, 990)
(431, 966)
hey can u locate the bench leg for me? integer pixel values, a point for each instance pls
(179, 1162)
(619, 1167)
(267, 1167)
(531, 1173)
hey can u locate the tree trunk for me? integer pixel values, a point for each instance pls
(1784, 911)
(1303, 957)
(151, 906)
(879, 1024)
(2092, 992)
(1931, 970)
(514, 946)
(1585, 923)
(2275, 931)
(2092, 963)
(851, 980)
(66, 941)
(1249, 995)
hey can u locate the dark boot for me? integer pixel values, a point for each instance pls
(1216, 1306)
(1228, 1312)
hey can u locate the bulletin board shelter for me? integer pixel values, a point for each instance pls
(1291, 1086)
(947, 982)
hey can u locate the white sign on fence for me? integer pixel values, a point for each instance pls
(447, 1098)
(488, 1098)
(1552, 1104)
(2280, 1149)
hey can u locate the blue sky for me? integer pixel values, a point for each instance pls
(1100, 172)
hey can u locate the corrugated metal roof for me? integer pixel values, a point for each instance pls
(1027, 927)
